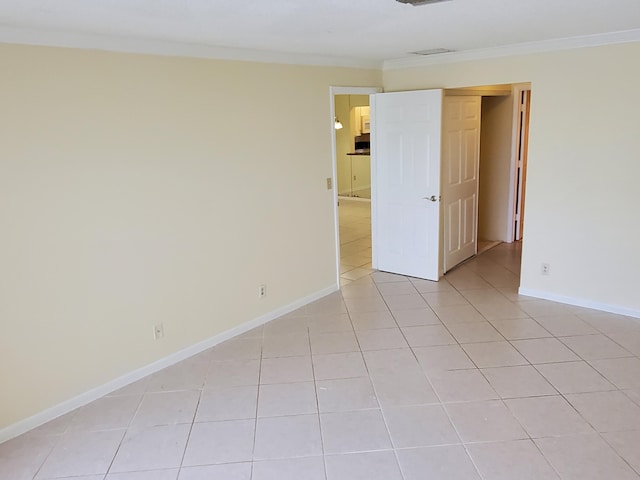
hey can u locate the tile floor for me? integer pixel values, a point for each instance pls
(355, 239)
(393, 378)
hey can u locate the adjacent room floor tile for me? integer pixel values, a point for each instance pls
(381, 339)
(349, 432)
(395, 361)
(416, 317)
(518, 381)
(450, 463)
(634, 395)
(628, 340)
(22, 457)
(493, 354)
(595, 347)
(519, 459)
(363, 466)
(227, 403)
(233, 373)
(428, 336)
(346, 394)
(411, 388)
(283, 399)
(167, 408)
(339, 365)
(458, 314)
(449, 298)
(309, 468)
(336, 342)
(82, 453)
(373, 320)
(584, 457)
(545, 350)
(489, 421)
(462, 386)
(283, 437)
(220, 442)
(607, 411)
(520, 329)
(232, 471)
(476, 332)
(500, 310)
(574, 377)
(151, 448)
(106, 413)
(286, 370)
(627, 445)
(290, 345)
(548, 416)
(566, 325)
(418, 426)
(405, 302)
(171, 474)
(448, 357)
(624, 373)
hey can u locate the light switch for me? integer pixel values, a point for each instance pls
(329, 184)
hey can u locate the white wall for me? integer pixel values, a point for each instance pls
(138, 190)
(495, 167)
(583, 166)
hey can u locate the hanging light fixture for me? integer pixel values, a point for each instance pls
(337, 124)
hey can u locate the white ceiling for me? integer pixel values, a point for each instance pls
(362, 30)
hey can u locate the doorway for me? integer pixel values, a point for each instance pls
(496, 194)
(352, 180)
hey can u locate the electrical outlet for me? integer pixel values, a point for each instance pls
(262, 291)
(158, 332)
(545, 269)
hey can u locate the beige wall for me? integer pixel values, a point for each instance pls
(344, 144)
(582, 186)
(139, 190)
(495, 167)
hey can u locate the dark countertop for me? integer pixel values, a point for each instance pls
(360, 152)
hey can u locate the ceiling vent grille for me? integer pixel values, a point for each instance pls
(432, 51)
(416, 3)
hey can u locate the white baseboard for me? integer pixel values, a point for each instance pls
(580, 302)
(54, 412)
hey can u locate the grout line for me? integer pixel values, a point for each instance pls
(255, 423)
(315, 389)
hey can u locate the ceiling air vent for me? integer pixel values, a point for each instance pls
(415, 3)
(432, 51)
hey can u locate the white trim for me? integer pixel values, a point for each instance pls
(87, 41)
(49, 414)
(581, 302)
(517, 90)
(374, 183)
(626, 36)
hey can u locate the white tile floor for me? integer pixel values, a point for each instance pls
(393, 378)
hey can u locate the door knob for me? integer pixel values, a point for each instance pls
(432, 198)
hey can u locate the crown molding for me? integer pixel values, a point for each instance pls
(626, 36)
(88, 41)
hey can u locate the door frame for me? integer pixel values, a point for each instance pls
(333, 91)
(518, 88)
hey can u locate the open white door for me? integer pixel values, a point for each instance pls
(405, 216)
(460, 166)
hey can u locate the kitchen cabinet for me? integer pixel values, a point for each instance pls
(354, 176)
